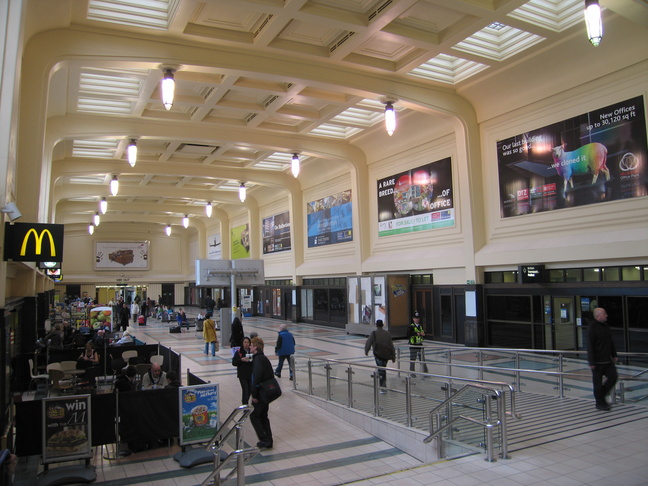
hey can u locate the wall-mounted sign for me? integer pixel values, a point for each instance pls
(115, 255)
(33, 242)
(595, 157)
(416, 200)
(330, 220)
(46, 265)
(531, 274)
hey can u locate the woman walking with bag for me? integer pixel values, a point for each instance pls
(242, 359)
(209, 334)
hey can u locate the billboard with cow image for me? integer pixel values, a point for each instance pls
(591, 158)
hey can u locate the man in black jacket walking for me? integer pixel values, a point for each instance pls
(383, 349)
(261, 371)
(601, 355)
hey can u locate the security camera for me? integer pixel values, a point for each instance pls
(11, 210)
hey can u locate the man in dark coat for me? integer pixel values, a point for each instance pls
(124, 316)
(261, 371)
(383, 349)
(601, 355)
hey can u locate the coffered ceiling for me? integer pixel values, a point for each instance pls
(256, 81)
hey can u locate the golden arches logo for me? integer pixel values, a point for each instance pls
(39, 242)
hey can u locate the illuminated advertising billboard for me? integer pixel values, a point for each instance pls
(592, 158)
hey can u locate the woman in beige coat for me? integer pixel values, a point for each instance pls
(209, 334)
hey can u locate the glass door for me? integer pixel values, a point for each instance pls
(564, 323)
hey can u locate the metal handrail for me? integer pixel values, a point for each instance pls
(217, 439)
(348, 365)
(488, 425)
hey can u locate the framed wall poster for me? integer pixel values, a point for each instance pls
(276, 233)
(591, 158)
(416, 200)
(329, 220)
(114, 255)
(240, 237)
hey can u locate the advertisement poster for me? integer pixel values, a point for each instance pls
(330, 220)
(199, 418)
(66, 428)
(214, 250)
(276, 233)
(241, 242)
(123, 256)
(596, 157)
(416, 200)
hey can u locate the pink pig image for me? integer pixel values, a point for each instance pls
(588, 158)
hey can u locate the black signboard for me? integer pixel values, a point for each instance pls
(33, 242)
(66, 428)
(531, 274)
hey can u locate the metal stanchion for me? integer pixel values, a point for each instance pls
(117, 453)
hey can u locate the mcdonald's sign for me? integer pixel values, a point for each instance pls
(33, 242)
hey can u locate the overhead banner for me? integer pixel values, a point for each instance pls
(276, 233)
(241, 242)
(595, 157)
(416, 200)
(330, 220)
(33, 242)
(199, 419)
(214, 250)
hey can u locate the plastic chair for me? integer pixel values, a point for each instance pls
(53, 366)
(157, 358)
(142, 369)
(35, 378)
(117, 364)
(58, 381)
(127, 355)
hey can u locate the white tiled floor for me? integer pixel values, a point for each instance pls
(314, 448)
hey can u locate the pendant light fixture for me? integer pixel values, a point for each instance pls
(208, 209)
(132, 152)
(91, 228)
(103, 205)
(97, 219)
(390, 117)
(185, 221)
(114, 186)
(593, 21)
(295, 164)
(168, 87)
(168, 230)
(242, 192)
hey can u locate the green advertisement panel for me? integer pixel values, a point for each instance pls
(199, 418)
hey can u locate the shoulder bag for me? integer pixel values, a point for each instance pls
(269, 390)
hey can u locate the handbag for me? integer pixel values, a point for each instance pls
(269, 390)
